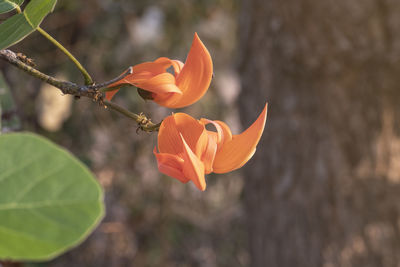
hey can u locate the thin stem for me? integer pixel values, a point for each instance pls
(18, 9)
(105, 84)
(88, 79)
(144, 123)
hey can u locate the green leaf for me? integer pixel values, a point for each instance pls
(49, 201)
(19, 26)
(36, 10)
(9, 5)
(14, 30)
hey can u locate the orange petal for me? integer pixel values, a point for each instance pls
(167, 100)
(235, 153)
(195, 76)
(168, 137)
(136, 78)
(171, 165)
(133, 79)
(191, 129)
(193, 168)
(177, 65)
(110, 94)
(160, 84)
(163, 99)
(156, 67)
(209, 153)
(226, 131)
(220, 130)
(223, 133)
(145, 71)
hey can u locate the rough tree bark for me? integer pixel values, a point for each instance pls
(324, 190)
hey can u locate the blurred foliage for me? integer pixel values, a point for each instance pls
(151, 220)
(8, 121)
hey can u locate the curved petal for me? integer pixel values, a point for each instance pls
(144, 71)
(193, 168)
(209, 153)
(220, 130)
(168, 137)
(223, 133)
(158, 66)
(171, 165)
(133, 79)
(136, 78)
(195, 77)
(177, 65)
(167, 100)
(160, 84)
(193, 131)
(226, 131)
(163, 98)
(190, 128)
(236, 152)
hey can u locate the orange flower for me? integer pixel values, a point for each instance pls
(187, 151)
(187, 85)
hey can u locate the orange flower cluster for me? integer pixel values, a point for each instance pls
(187, 85)
(188, 151)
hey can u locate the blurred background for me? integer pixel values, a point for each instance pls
(323, 188)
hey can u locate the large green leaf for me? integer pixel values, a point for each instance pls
(49, 201)
(19, 26)
(8, 5)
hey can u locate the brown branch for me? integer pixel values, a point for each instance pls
(90, 91)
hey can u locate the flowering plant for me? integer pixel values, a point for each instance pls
(49, 200)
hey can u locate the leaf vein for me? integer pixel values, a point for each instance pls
(52, 220)
(32, 185)
(8, 173)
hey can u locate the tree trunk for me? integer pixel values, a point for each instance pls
(323, 188)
